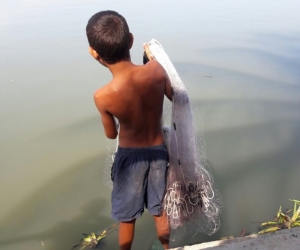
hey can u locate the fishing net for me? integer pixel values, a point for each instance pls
(192, 201)
(112, 146)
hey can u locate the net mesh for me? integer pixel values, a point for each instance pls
(191, 201)
(110, 156)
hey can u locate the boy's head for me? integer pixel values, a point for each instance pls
(108, 35)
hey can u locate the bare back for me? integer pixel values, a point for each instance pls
(135, 97)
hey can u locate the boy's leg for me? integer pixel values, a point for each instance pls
(162, 229)
(126, 234)
(129, 174)
(156, 187)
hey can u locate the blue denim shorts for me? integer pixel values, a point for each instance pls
(139, 180)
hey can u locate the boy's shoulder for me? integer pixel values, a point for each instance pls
(154, 63)
(153, 68)
(101, 94)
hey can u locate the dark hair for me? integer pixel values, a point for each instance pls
(108, 34)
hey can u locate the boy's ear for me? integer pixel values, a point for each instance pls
(96, 56)
(131, 40)
(94, 53)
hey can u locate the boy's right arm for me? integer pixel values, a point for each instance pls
(108, 120)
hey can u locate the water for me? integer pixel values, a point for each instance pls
(240, 61)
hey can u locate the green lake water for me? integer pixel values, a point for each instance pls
(240, 61)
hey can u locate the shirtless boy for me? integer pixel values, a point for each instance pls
(135, 97)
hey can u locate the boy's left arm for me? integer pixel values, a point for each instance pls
(149, 57)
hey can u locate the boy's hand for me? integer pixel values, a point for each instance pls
(147, 54)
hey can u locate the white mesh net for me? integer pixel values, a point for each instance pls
(111, 150)
(191, 201)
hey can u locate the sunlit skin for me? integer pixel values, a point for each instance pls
(135, 97)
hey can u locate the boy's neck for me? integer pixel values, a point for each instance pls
(119, 67)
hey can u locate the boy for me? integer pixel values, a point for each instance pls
(135, 97)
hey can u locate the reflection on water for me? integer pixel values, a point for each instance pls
(240, 62)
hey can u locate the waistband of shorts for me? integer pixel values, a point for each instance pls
(143, 149)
